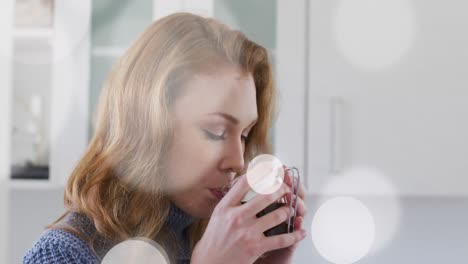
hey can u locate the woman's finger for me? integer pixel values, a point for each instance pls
(261, 201)
(283, 240)
(237, 192)
(273, 218)
(298, 222)
(301, 206)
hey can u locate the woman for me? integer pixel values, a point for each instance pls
(181, 113)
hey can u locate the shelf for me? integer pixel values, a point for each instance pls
(45, 33)
(27, 184)
(113, 52)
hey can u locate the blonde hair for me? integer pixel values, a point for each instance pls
(118, 183)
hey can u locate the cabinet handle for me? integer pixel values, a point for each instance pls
(335, 104)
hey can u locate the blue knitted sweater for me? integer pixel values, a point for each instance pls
(59, 246)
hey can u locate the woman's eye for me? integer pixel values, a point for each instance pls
(214, 136)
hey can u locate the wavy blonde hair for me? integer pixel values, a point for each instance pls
(118, 183)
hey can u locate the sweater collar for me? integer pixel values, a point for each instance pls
(177, 219)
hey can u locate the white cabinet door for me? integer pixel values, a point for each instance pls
(291, 50)
(388, 85)
(6, 63)
(69, 92)
(6, 53)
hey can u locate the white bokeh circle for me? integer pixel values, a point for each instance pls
(374, 34)
(343, 230)
(137, 250)
(265, 174)
(377, 192)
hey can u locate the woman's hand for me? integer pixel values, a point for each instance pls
(234, 233)
(284, 255)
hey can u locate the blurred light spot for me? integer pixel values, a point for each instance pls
(376, 192)
(265, 174)
(343, 230)
(138, 250)
(374, 34)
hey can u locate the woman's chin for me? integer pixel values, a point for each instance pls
(206, 207)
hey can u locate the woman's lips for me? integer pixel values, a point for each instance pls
(218, 193)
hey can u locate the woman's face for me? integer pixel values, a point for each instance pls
(211, 118)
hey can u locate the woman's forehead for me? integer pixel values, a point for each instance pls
(227, 91)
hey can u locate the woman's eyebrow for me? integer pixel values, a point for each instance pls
(231, 118)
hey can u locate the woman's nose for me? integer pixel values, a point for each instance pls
(234, 157)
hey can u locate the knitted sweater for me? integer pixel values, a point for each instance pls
(58, 246)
